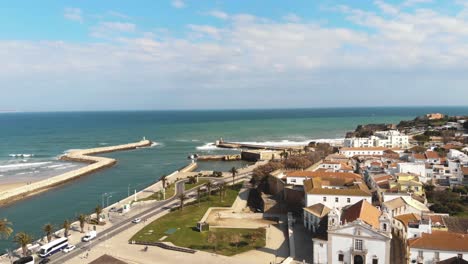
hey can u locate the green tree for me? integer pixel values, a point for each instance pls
(5, 228)
(66, 226)
(48, 230)
(209, 186)
(98, 211)
(164, 181)
(182, 197)
(233, 172)
(82, 219)
(23, 240)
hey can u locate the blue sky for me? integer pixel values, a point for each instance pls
(181, 54)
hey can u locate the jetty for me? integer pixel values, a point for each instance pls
(96, 163)
(234, 145)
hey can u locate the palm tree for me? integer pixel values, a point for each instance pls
(48, 230)
(82, 219)
(182, 197)
(164, 180)
(222, 190)
(66, 226)
(5, 228)
(98, 211)
(233, 172)
(209, 185)
(23, 239)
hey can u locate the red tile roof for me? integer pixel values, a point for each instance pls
(312, 174)
(362, 210)
(432, 155)
(441, 240)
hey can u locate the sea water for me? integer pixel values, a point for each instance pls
(40, 138)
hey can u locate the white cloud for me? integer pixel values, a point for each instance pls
(108, 29)
(416, 2)
(292, 18)
(178, 4)
(74, 14)
(218, 14)
(386, 8)
(415, 53)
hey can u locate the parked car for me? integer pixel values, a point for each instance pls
(44, 261)
(69, 248)
(89, 236)
(136, 220)
(113, 209)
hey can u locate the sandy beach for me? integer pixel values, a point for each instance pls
(9, 186)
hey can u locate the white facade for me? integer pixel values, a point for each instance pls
(429, 256)
(357, 240)
(351, 152)
(387, 139)
(414, 168)
(295, 180)
(334, 201)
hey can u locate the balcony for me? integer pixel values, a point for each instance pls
(355, 251)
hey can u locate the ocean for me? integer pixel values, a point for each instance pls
(31, 142)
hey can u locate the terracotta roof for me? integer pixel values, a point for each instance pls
(441, 240)
(314, 186)
(419, 156)
(345, 166)
(375, 163)
(464, 170)
(382, 178)
(403, 201)
(432, 155)
(319, 210)
(407, 218)
(362, 210)
(313, 174)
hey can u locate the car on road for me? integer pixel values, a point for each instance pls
(44, 261)
(113, 209)
(69, 248)
(136, 220)
(89, 236)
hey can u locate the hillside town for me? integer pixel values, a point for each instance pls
(397, 195)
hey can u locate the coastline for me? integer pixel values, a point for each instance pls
(15, 193)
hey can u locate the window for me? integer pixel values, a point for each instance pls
(375, 261)
(460, 256)
(420, 253)
(324, 199)
(293, 180)
(348, 200)
(436, 255)
(385, 227)
(340, 257)
(358, 244)
(336, 199)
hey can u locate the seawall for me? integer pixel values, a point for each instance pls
(96, 163)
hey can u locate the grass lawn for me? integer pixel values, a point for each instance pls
(170, 191)
(186, 234)
(189, 186)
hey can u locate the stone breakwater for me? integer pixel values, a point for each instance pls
(96, 163)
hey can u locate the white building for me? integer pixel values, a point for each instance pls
(298, 177)
(414, 168)
(362, 151)
(438, 246)
(360, 234)
(388, 139)
(404, 205)
(335, 192)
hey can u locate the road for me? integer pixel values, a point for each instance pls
(159, 207)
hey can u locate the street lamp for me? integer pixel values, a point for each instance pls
(110, 196)
(102, 199)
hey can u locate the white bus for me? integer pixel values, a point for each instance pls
(53, 247)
